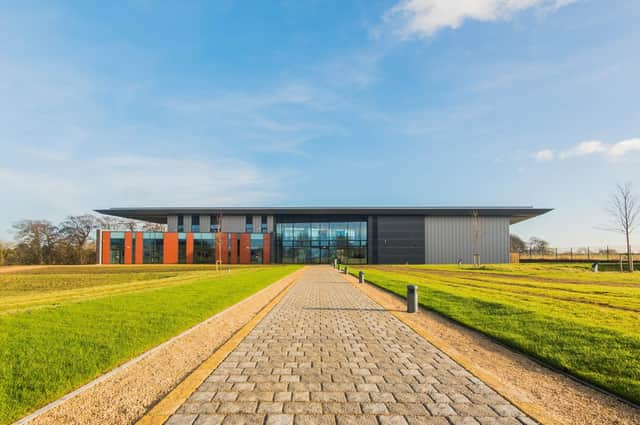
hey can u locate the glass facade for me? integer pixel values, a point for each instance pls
(320, 239)
(248, 224)
(152, 252)
(182, 248)
(204, 248)
(215, 226)
(257, 240)
(263, 224)
(117, 247)
(180, 223)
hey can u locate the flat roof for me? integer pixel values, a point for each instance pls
(159, 215)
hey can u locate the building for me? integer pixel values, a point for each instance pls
(314, 235)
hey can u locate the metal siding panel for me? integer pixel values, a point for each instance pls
(449, 238)
(233, 223)
(172, 223)
(257, 223)
(186, 223)
(400, 239)
(270, 224)
(205, 223)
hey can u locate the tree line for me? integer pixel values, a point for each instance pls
(72, 241)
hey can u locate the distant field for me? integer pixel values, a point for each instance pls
(585, 323)
(62, 326)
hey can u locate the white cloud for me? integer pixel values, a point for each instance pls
(544, 155)
(423, 18)
(615, 150)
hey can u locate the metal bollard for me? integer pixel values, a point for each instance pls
(361, 277)
(346, 269)
(412, 298)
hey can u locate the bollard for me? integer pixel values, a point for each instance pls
(361, 277)
(346, 269)
(412, 298)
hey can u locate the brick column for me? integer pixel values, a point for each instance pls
(139, 248)
(170, 248)
(106, 247)
(266, 249)
(222, 250)
(245, 248)
(189, 248)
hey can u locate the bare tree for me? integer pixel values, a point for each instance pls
(624, 210)
(153, 227)
(538, 245)
(516, 243)
(37, 241)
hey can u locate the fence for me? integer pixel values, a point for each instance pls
(575, 254)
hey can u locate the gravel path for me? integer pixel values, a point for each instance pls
(328, 354)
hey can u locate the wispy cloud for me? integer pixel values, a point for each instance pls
(423, 18)
(615, 150)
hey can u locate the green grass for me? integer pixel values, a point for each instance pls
(584, 323)
(67, 325)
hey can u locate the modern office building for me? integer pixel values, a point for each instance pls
(314, 235)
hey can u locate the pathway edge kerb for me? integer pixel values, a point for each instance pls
(123, 367)
(421, 332)
(167, 405)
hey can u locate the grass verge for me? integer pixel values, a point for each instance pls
(583, 323)
(48, 351)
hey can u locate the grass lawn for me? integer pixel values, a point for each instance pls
(60, 327)
(587, 324)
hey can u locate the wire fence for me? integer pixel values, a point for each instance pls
(586, 253)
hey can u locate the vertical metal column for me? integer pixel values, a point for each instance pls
(412, 298)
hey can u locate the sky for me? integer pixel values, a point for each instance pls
(321, 103)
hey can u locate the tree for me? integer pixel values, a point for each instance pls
(153, 227)
(624, 210)
(3, 253)
(538, 245)
(75, 232)
(36, 241)
(516, 243)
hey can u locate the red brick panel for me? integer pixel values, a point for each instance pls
(139, 247)
(128, 248)
(234, 248)
(189, 248)
(106, 247)
(245, 248)
(170, 248)
(221, 247)
(266, 249)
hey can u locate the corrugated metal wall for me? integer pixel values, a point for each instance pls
(448, 239)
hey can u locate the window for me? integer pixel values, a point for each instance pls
(117, 247)
(182, 248)
(257, 244)
(215, 226)
(153, 244)
(321, 239)
(248, 224)
(204, 248)
(180, 223)
(263, 224)
(195, 223)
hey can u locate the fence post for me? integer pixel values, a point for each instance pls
(607, 252)
(588, 254)
(571, 251)
(556, 254)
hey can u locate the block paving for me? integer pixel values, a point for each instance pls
(327, 354)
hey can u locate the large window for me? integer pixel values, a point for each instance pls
(215, 226)
(117, 247)
(195, 223)
(180, 223)
(263, 224)
(182, 248)
(321, 239)
(152, 248)
(257, 244)
(248, 224)
(204, 251)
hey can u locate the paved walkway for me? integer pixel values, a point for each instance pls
(327, 354)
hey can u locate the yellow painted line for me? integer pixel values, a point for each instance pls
(172, 401)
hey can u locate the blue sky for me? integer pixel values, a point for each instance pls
(421, 102)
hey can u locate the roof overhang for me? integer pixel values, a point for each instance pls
(159, 215)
